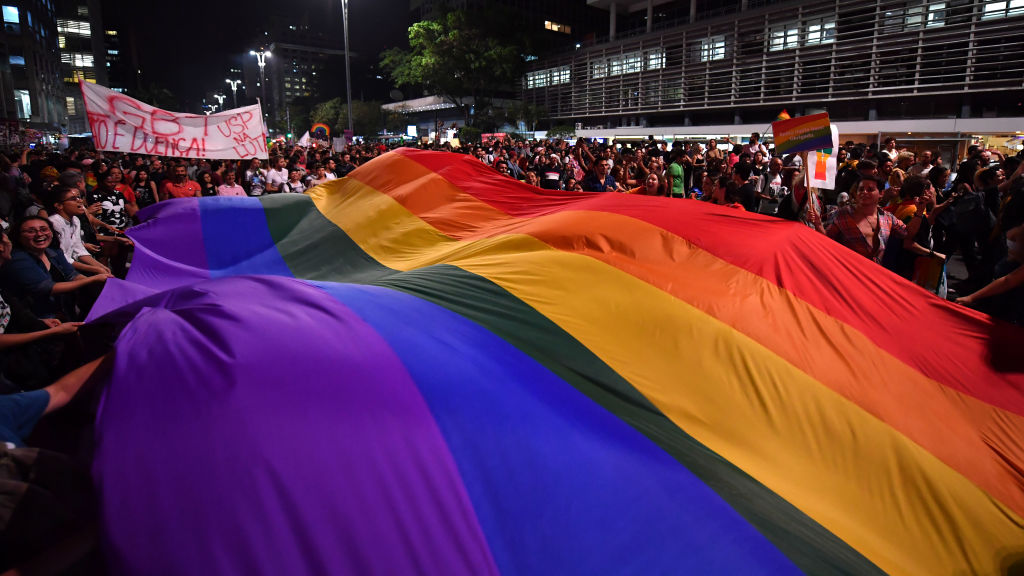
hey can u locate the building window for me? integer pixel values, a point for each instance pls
(656, 59)
(11, 15)
(17, 60)
(599, 69)
(928, 14)
(69, 105)
(632, 62)
(548, 77)
(712, 49)
(556, 27)
(999, 9)
(78, 27)
(83, 11)
(112, 52)
(784, 36)
(560, 75)
(615, 66)
(821, 31)
(61, 41)
(77, 59)
(24, 104)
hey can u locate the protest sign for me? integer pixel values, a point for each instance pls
(123, 124)
(801, 134)
(821, 165)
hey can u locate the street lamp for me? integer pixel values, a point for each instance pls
(220, 100)
(348, 74)
(261, 60)
(234, 89)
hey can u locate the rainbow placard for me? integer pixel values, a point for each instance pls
(320, 131)
(802, 133)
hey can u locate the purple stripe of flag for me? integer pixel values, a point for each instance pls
(301, 449)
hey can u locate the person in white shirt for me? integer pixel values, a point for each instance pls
(294, 184)
(67, 204)
(755, 145)
(277, 176)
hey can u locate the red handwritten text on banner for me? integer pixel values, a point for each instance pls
(122, 124)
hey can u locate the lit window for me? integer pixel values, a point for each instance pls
(821, 31)
(78, 27)
(656, 59)
(83, 11)
(712, 49)
(556, 27)
(69, 105)
(599, 69)
(784, 36)
(615, 66)
(28, 17)
(77, 59)
(548, 77)
(110, 32)
(936, 15)
(998, 9)
(11, 15)
(17, 60)
(632, 62)
(24, 103)
(112, 51)
(61, 42)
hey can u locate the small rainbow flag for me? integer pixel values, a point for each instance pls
(783, 115)
(429, 368)
(802, 133)
(320, 131)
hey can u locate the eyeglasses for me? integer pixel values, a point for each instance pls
(34, 231)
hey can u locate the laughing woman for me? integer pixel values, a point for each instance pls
(39, 274)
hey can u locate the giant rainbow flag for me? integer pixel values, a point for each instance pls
(427, 368)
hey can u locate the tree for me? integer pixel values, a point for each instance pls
(564, 132)
(465, 57)
(525, 112)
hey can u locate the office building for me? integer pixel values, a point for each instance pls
(949, 70)
(83, 54)
(31, 94)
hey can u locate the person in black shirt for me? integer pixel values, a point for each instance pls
(747, 193)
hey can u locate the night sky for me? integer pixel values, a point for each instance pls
(188, 46)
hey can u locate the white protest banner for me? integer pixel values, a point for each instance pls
(821, 165)
(123, 124)
(304, 141)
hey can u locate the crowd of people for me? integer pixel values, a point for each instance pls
(64, 218)
(904, 210)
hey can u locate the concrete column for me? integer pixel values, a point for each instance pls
(743, 5)
(611, 20)
(693, 10)
(650, 16)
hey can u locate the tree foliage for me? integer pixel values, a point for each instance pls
(460, 56)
